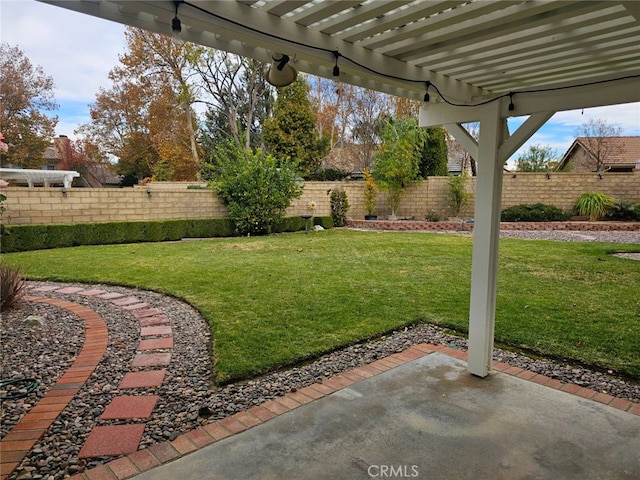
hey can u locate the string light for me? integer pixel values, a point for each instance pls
(426, 93)
(176, 25)
(336, 69)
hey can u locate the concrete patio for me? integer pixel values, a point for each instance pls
(429, 418)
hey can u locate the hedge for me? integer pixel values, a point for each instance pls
(538, 212)
(21, 238)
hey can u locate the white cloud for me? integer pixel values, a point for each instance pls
(75, 49)
(626, 116)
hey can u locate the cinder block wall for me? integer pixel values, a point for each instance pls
(174, 200)
(85, 205)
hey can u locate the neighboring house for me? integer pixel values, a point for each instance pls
(350, 157)
(600, 154)
(459, 160)
(93, 175)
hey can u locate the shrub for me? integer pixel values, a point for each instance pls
(432, 216)
(209, 228)
(12, 287)
(339, 207)
(289, 224)
(257, 190)
(23, 238)
(636, 211)
(153, 231)
(538, 212)
(324, 222)
(60, 236)
(621, 210)
(594, 205)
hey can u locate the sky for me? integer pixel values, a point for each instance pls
(78, 51)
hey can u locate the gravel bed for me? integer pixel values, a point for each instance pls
(575, 236)
(188, 397)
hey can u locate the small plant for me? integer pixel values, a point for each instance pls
(12, 286)
(370, 189)
(594, 205)
(458, 196)
(432, 216)
(339, 207)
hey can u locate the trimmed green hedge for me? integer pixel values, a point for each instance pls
(324, 222)
(21, 238)
(538, 212)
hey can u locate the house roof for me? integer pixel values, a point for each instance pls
(627, 151)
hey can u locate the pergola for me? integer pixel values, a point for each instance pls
(468, 60)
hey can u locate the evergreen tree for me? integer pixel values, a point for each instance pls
(433, 154)
(291, 132)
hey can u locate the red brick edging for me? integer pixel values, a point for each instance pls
(26, 433)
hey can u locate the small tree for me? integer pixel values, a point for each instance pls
(370, 189)
(257, 190)
(458, 196)
(396, 165)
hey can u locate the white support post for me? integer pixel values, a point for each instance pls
(486, 235)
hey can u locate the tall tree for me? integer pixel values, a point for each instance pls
(26, 94)
(119, 128)
(156, 60)
(599, 138)
(537, 159)
(370, 109)
(433, 153)
(291, 132)
(237, 96)
(146, 119)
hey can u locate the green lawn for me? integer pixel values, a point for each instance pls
(275, 300)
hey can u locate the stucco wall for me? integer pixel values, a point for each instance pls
(172, 201)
